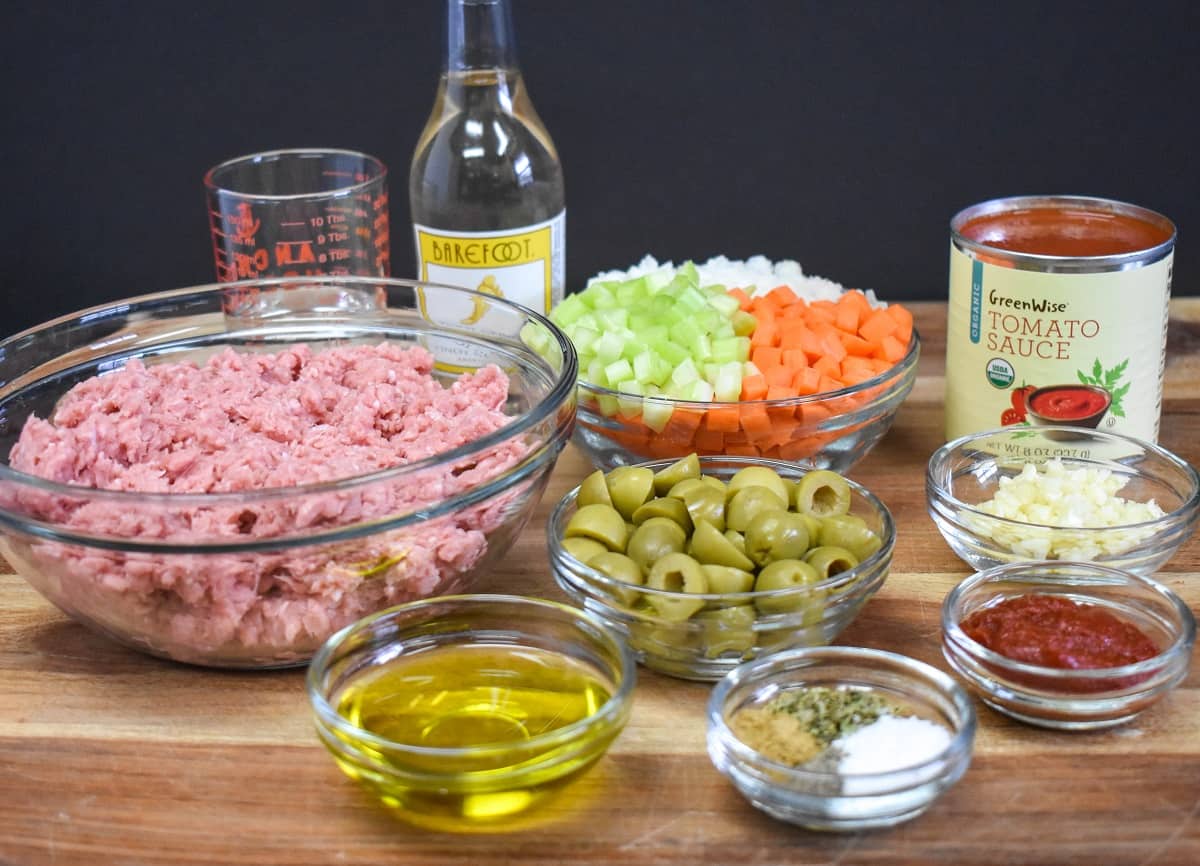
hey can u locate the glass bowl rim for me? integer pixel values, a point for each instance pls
(1179, 648)
(961, 738)
(560, 559)
(896, 372)
(941, 496)
(560, 393)
(608, 713)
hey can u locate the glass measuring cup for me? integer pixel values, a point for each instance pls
(298, 213)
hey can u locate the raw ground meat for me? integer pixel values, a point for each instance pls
(243, 422)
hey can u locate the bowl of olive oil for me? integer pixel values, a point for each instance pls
(469, 712)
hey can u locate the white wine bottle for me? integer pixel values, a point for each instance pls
(486, 185)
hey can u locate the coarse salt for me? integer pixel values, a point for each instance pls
(890, 743)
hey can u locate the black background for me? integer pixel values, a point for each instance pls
(843, 135)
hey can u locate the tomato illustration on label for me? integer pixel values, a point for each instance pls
(1016, 414)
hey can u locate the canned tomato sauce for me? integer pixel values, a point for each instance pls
(1057, 315)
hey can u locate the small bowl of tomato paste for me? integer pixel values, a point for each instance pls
(1072, 404)
(1067, 645)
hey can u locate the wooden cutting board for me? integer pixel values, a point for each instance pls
(110, 757)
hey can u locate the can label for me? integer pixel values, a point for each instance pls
(1011, 331)
(525, 265)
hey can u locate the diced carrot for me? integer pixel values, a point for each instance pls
(742, 298)
(766, 356)
(877, 326)
(783, 296)
(724, 419)
(778, 375)
(830, 344)
(766, 333)
(806, 381)
(756, 423)
(827, 366)
(812, 413)
(792, 333)
(754, 387)
(891, 349)
(794, 358)
(811, 344)
(828, 383)
(798, 449)
(856, 345)
(742, 450)
(683, 424)
(708, 439)
(904, 322)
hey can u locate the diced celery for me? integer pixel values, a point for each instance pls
(690, 273)
(609, 405)
(749, 369)
(568, 310)
(643, 365)
(595, 374)
(672, 352)
(744, 323)
(656, 414)
(727, 388)
(700, 391)
(700, 347)
(654, 334)
(743, 353)
(685, 331)
(725, 304)
(662, 371)
(631, 405)
(656, 281)
(725, 350)
(631, 291)
(685, 372)
(710, 370)
(599, 296)
(608, 347)
(613, 318)
(618, 371)
(582, 337)
(691, 299)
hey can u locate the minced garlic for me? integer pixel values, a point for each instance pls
(1060, 500)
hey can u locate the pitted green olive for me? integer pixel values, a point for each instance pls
(679, 574)
(680, 470)
(737, 540)
(822, 493)
(583, 548)
(706, 503)
(620, 567)
(665, 506)
(708, 545)
(830, 561)
(724, 579)
(786, 574)
(776, 535)
(654, 539)
(600, 522)
(728, 630)
(594, 491)
(849, 532)
(759, 476)
(748, 502)
(630, 487)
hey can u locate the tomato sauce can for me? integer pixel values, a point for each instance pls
(1057, 315)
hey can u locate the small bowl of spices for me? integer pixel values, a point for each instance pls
(468, 713)
(1031, 493)
(1071, 646)
(840, 738)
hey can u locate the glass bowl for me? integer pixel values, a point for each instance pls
(965, 473)
(495, 704)
(833, 430)
(728, 628)
(1071, 699)
(261, 576)
(816, 795)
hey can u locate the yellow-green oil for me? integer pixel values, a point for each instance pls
(487, 704)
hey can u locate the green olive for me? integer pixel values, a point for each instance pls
(594, 491)
(789, 574)
(583, 548)
(759, 476)
(706, 503)
(708, 545)
(666, 646)
(724, 579)
(629, 487)
(830, 561)
(737, 539)
(665, 506)
(775, 535)
(749, 502)
(620, 567)
(680, 489)
(822, 493)
(600, 522)
(679, 574)
(730, 629)
(680, 470)
(654, 539)
(850, 532)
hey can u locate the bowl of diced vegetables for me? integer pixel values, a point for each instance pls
(752, 359)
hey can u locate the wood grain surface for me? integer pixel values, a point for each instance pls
(110, 757)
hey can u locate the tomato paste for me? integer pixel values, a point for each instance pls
(1065, 231)
(1068, 403)
(1057, 632)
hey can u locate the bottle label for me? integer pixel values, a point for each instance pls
(1029, 347)
(526, 265)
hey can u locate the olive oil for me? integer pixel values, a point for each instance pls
(475, 716)
(486, 185)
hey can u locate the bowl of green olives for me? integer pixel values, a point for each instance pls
(706, 562)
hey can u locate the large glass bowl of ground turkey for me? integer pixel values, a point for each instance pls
(227, 475)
